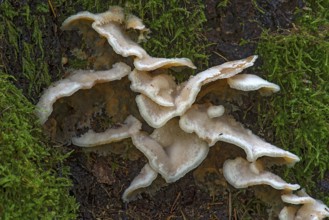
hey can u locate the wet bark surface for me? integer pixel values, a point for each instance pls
(235, 29)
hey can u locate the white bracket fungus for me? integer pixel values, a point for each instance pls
(107, 24)
(226, 129)
(79, 79)
(240, 173)
(184, 95)
(170, 151)
(159, 88)
(310, 209)
(177, 145)
(128, 128)
(288, 213)
(112, 25)
(143, 180)
(250, 82)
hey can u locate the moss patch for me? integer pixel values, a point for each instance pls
(25, 53)
(298, 60)
(33, 180)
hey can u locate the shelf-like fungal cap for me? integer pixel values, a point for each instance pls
(114, 14)
(130, 127)
(185, 94)
(225, 128)
(142, 180)
(119, 40)
(134, 22)
(288, 213)
(250, 82)
(79, 79)
(240, 173)
(112, 25)
(310, 209)
(159, 88)
(170, 151)
(148, 63)
(108, 25)
(297, 199)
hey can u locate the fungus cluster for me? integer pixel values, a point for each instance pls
(181, 128)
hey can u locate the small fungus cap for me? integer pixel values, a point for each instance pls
(159, 88)
(170, 151)
(250, 82)
(130, 127)
(310, 209)
(142, 180)
(240, 173)
(109, 25)
(79, 79)
(288, 213)
(148, 63)
(134, 22)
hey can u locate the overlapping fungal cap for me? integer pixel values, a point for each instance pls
(143, 180)
(211, 124)
(79, 79)
(108, 25)
(310, 209)
(112, 25)
(288, 213)
(241, 173)
(148, 63)
(159, 87)
(170, 151)
(128, 128)
(134, 22)
(184, 95)
(250, 82)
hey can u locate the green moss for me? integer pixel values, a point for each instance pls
(23, 43)
(33, 179)
(223, 3)
(298, 61)
(34, 182)
(172, 25)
